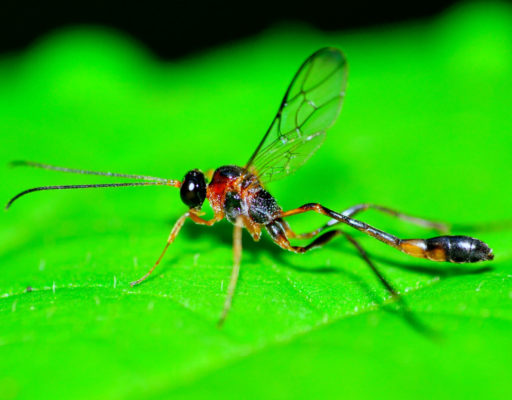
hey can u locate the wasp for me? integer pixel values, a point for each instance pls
(310, 106)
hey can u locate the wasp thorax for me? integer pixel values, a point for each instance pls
(193, 189)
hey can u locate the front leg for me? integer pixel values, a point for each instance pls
(174, 232)
(194, 216)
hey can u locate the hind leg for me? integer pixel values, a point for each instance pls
(279, 230)
(458, 249)
(358, 208)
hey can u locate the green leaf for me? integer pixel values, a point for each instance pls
(425, 129)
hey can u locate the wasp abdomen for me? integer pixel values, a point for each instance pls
(460, 249)
(456, 249)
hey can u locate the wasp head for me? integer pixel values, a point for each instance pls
(193, 189)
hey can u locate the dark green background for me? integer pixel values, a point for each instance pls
(426, 128)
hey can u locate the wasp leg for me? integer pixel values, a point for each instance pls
(350, 212)
(308, 235)
(459, 249)
(174, 232)
(406, 311)
(373, 267)
(279, 230)
(425, 223)
(198, 220)
(237, 255)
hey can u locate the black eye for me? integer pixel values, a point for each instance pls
(193, 189)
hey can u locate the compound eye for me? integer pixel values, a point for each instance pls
(193, 189)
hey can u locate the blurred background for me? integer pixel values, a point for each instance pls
(159, 90)
(182, 27)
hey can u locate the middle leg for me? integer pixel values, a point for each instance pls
(237, 255)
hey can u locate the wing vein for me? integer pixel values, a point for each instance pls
(310, 106)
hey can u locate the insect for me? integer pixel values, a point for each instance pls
(310, 106)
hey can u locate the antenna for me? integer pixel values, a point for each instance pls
(153, 181)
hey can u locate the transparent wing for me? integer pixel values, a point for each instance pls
(309, 107)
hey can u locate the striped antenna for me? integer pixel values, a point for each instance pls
(152, 181)
(83, 171)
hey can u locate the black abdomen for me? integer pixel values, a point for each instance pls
(460, 249)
